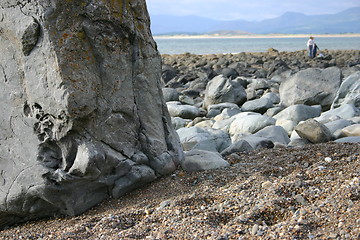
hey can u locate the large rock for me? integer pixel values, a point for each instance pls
(313, 131)
(204, 139)
(176, 109)
(168, 73)
(349, 92)
(335, 127)
(221, 106)
(217, 109)
(256, 88)
(259, 142)
(250, 124)
(291, 116)
(223, 90)
(200, 160)
(238, 146)
(273, 97)
(178, 122)
(298, 112)
(82, 115)
(345, 111)
(311, 87)
(277, 67)
(276, 134)
(170, 94)
(351, 131)
(349, 140)
(260, 105)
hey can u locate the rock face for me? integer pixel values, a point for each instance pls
(82, 115)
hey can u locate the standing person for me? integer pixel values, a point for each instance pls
(311, 47)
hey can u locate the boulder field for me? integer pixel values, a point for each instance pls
(228, 103)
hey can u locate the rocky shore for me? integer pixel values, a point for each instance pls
(240, 102)
(277, 137)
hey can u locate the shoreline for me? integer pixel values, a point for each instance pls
(249, 36)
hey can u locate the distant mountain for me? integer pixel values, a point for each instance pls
(166, 24)
(347, 21)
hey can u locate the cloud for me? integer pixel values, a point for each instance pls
(247, 10)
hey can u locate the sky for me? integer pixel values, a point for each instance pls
(251, 10)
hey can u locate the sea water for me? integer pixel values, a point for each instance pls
(236, 45)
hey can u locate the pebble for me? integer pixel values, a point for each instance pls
(355, 181)
(342, 232)
(254, 229)
(321, 168)
(328, 159)
(310, 236)
(300, 199)
(333, 235)
(266, 185)
(301, 220)
(164, 204)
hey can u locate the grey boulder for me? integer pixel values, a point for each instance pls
(221, 106)
(348, 140)
(311, 87)
(276, 134)
(350, 131)
(260, 105)
(238, 146)
(298, 112)
(313, 131)
(204, 139)
(216, 109)
(176, 109)
(291, 116)
(345, 111)
(250, 124)
(223, 90)
(170, 94)
(178, 122)
(258, 142)
(168, 73)
(200, 160)
(273, 97)
(349, 92)
(335, 127)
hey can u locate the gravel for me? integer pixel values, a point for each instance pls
(309, 192)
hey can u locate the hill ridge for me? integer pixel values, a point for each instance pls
(289, 23)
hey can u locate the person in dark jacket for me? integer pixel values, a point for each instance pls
(312, 47)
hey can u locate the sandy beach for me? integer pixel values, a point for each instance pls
(257, 36)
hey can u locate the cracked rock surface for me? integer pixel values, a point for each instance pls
(82, 116)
